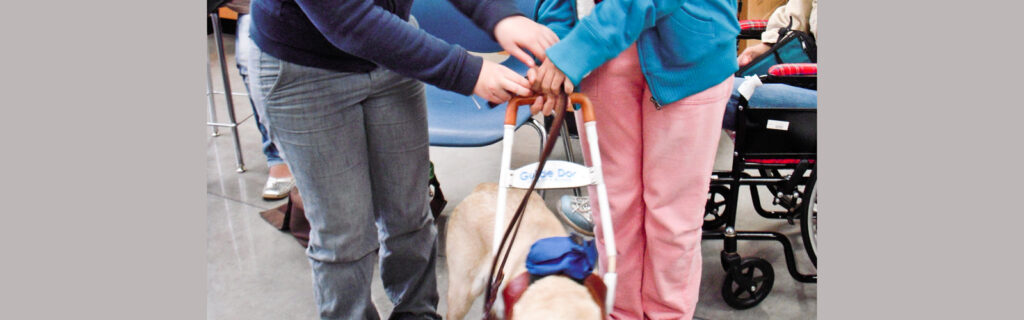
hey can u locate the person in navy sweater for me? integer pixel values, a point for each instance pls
(340, 94)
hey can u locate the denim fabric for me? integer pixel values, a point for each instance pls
(770, 95)
(357, 146)
(243, 44)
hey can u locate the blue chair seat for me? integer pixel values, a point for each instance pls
(456, 120)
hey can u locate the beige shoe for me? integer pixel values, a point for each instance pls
(278, 188)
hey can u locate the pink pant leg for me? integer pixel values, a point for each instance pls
(616, 90)
(679, 142)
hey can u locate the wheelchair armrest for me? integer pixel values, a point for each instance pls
(804, 75)
(794, 69)
(752, 29)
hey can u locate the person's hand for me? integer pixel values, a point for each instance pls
(497, 83)
(554, 86)
(516, 32)
(752, 52)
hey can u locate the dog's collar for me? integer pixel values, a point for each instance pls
(515, 288)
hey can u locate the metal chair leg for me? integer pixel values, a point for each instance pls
(209, 96)
(218, 39)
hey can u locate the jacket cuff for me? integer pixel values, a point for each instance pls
(575, 55)
(468, 74)
(492, 12)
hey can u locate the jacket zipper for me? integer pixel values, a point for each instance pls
(643, 70)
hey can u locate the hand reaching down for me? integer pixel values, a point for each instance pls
(517, 32)
(498, 83)
(752, 52)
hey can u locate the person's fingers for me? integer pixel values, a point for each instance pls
(552, 38)
(547, 40)
(548, 36)
(515, 51)
(537, 105)
(548, 105)
(537, 48)
(567, 85)
(549, 81)
(499, 95)
(531, 75)
(515, 77)
(538, 81)
(514, 87)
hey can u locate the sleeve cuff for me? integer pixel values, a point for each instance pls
(489, 14)
(468, 74)
(578, 54)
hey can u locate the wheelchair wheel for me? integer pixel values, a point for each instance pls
(715, 208)
(809, 221)
(749, 284)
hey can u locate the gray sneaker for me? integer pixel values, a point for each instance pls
(575, 213)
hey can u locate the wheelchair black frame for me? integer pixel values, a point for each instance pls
(737, 177)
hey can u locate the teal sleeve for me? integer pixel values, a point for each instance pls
(611, 28)
(558, 15)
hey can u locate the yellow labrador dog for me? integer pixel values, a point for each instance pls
(468, 249)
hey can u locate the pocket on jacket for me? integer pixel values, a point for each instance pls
(690, 21)
(683, 39)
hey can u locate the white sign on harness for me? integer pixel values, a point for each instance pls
(557, 174)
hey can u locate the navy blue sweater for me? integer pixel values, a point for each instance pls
(359, 35)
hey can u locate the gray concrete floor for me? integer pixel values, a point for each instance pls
(257, 272)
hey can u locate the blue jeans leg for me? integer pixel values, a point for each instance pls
(243, 45)
(395, 117)
(357, 146)
(770, 95)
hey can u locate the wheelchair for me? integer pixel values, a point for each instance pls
(774, 152)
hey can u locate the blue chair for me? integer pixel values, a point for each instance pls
(456, 120)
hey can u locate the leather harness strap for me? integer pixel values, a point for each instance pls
(496, 274)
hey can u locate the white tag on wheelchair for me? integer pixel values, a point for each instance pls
(778, 125)
(750, 83)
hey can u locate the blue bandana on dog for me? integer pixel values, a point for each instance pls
(561, 255)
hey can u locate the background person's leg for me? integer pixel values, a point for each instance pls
(243, 45)
(396, 127)
(315, 117)
(680, 142)
(769, 95)
(279, 184)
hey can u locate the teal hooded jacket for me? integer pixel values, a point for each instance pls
(685, 46)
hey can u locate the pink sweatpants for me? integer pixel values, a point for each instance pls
(657, 167)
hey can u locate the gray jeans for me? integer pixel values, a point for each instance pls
(357, 145)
